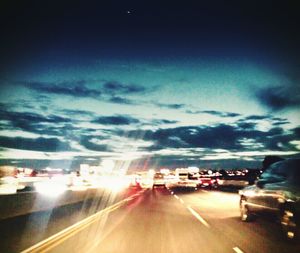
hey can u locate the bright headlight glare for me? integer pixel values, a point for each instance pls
(50, 189)
(249, 193)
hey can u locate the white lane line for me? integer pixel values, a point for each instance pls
(198, 217)
(181, 201)
(237, 250)
(175, 196)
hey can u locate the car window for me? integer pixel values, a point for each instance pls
(158, 176)
(275, 173)
(293, 166)
(279, 172)
(284, 170)
(191, 176)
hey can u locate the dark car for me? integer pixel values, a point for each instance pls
(233, 181)
(208, 181)
(277, 191)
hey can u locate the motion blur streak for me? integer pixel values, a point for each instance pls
(60, 237)
(50, 189)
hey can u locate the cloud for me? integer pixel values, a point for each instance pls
(280, 143)
(157, 122)
(110, 90)
(169, 106)
(253, 120)
(257, 117)
(5, 106)
(246, 125)
(114, 87)
(279, 121)
(87, 142)
(30, 117)
(296, 132)
(279, 97)
(30, 121)
(76, 88)
(277, 140)
(76, 91)
(5, 126)
(115, 120)
(215, 113)
(121, 100)
(38, 144)
(65, 130)
(163, 121)
(77, 112)
(222, 136)
(223, 114)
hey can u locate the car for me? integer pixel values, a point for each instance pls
(278, 192)
(233, 181)
(159, 180)
(186, 179)
(208, 181)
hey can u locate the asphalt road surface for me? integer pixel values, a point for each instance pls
(163, 220)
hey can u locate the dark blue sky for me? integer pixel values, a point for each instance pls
(163, 84)
(150, 29)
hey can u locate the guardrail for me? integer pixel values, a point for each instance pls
(29, 202)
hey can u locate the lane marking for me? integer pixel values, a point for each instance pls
(56, 239)
(176, 196)
(237, 250)
(181, 201)
(198, 217)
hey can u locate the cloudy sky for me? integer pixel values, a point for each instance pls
(148, 85)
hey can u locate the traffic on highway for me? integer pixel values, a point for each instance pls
(149, 126)
(165, 211)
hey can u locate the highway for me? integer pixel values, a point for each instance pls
(159, 220)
